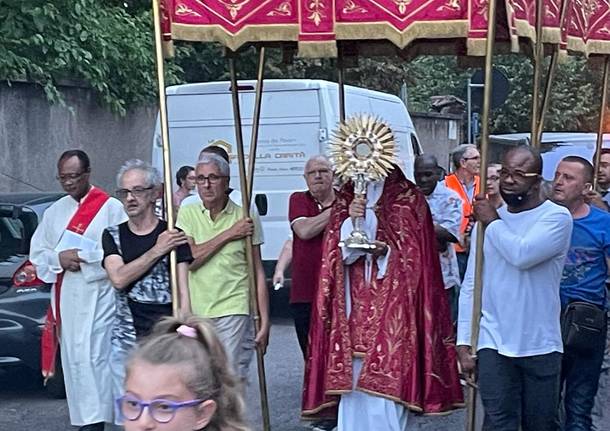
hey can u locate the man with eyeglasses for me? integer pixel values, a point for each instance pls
(218, 277)
(136, 258)
(465, 182)
(235, 195)
(308, 213)
(493, 185)
(520, 345)
(66, 251)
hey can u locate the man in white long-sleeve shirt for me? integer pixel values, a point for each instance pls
(520, 346)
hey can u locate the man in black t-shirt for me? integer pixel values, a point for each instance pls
(136, 258)
(136, 253)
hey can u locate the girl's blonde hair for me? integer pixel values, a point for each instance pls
(205, 365)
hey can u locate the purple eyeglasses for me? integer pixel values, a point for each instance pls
(162, 411)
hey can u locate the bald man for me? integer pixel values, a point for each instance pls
(520, 345)
(308, 213)
(446, 208)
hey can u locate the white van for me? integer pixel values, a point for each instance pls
(297, 120)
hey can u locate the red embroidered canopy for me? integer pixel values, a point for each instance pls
(317, 25)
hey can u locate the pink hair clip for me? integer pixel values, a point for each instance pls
(187, 331)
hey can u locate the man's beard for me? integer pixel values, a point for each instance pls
(514, 199)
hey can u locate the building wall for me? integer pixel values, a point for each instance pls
(438, 134)
(33, 133)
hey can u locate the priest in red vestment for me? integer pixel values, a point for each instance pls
(381, 342)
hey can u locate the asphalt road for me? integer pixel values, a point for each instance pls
(24, 405)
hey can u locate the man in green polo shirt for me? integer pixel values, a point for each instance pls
(218, 276)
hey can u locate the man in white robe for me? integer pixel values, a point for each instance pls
(87, 299)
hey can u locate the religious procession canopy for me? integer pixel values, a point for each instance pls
(317, 25)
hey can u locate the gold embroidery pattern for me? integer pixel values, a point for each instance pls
(585, 9)
(163, 12)
(234, 6)
(394, 323)
(482, 8)
(552, 9)
(284, 9)
(316, 11)
(184, 10)
(402, 5)
(352, 7)
(451, 6)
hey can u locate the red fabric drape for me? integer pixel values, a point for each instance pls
(400, 325)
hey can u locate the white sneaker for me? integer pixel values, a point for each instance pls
(324, 425)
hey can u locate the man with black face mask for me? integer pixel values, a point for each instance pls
(520, 345)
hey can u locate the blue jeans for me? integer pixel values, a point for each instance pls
(580, 374)
(519, 393)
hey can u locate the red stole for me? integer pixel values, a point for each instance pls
(80, 221)
(400, 325)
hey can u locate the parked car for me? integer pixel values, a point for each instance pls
(24, 299)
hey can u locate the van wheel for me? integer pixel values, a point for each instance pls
(55, 386)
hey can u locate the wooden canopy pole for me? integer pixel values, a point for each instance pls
(167, 166)
(258, 101)
(550, 78)
(602, 116)
(341, 79)
(245, 199)
(478, 282)
(538, 60)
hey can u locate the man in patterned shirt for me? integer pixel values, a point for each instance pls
(136, 258)
(446, 208)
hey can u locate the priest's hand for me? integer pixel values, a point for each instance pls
(467, 360)
(169, 240)
(381, 249)
(357, 208)
(69, 260)
(484, 211)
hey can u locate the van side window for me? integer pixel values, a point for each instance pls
(415, 145)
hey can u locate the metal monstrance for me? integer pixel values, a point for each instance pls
(362, 150)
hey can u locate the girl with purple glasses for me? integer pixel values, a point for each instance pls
(178, 380)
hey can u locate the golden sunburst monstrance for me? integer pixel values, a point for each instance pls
(363, 145)
(362, 149)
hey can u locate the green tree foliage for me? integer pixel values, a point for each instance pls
(574, 102)
(108, 45)
(105, 46)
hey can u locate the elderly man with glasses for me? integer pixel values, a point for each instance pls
(520, 345)
(136, 258)
(218, 278)
(465, 182)
(66, 252)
